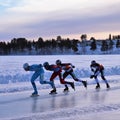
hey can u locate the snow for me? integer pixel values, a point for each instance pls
(81, 104)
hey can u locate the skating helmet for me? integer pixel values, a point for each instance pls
(25, 66)
(45, 64)
(93, 62)
(58, 62)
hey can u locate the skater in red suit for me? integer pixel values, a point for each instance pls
(97, 69)
(68, 68)
(56, 72)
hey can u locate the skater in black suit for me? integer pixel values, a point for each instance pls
(97, 69)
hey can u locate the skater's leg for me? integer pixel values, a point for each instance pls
(66, 88)
(65, 74)
(79, 80)
(71, 84)
(66, 82)
(53, 76)
(103, 77)
(42, 81)
(33, 78)
(97, 82)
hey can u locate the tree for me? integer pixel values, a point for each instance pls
(40, 43)
(118, 44)
(83, 37)
(93, 44)
(104, 46)
(59, 38)
(75, 45)
(83, 43)
(110, 44)
(18, 44)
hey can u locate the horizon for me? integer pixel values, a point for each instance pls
(71, 37)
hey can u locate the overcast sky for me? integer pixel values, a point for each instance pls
(49, 18)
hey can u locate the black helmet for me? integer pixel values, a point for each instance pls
(58, 62)
(45, 64)
(93, 62)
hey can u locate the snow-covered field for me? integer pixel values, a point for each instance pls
(81, 104)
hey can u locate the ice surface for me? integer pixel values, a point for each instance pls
(82, 104)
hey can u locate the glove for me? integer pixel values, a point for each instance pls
(73, 66)
(92, 76)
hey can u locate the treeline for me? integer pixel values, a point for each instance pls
(22, 46)
(39, 47)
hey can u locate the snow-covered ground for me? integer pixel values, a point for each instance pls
(81, 104)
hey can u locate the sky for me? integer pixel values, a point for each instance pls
(48, 19)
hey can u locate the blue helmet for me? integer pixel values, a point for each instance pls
(25, 65)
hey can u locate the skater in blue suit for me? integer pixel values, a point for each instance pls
(38, 72)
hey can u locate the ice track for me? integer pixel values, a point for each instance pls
(79, 103)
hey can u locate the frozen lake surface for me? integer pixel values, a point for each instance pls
(81, 104)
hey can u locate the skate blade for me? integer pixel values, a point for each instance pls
(97, 89)
(34, 95)
(66, 91)
(53, 93)
(108, 88)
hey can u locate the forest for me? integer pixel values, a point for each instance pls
(22, 46)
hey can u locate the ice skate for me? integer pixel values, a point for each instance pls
(98, 86)
(34, 94)
(72, 85)
(53, 92)
(66, 90)
(107, 85)
(84, 83)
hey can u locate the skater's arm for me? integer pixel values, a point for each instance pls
(67, 64)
